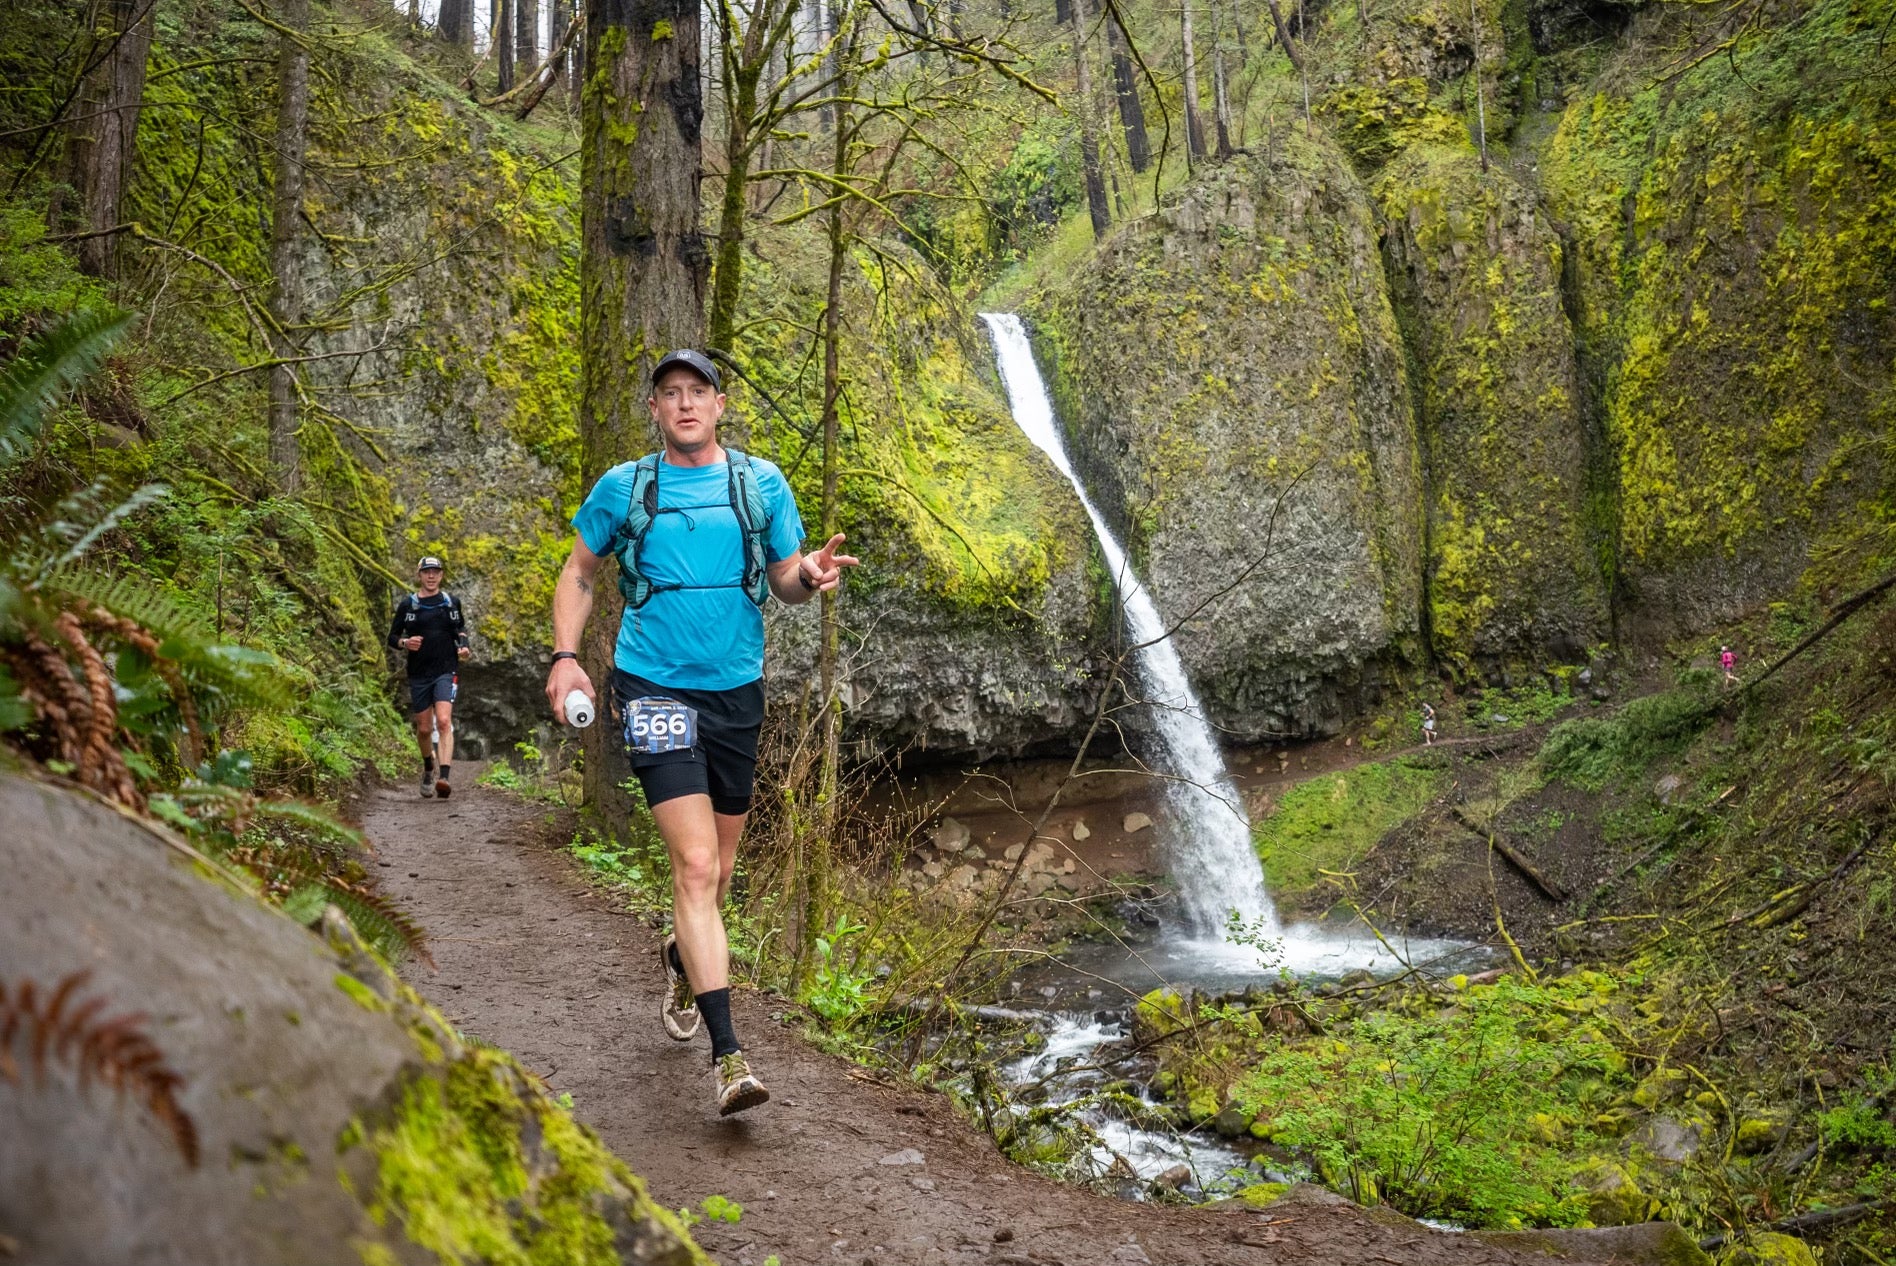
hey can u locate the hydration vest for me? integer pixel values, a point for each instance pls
(414, 609)
(642, 510)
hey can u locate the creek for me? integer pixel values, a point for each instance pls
(1084, 1000)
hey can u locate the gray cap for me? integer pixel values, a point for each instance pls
(428, 561)
(697, 362)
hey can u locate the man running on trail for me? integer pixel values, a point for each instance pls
(431, 627)
(703, 535)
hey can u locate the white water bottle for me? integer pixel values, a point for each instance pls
(579, 709)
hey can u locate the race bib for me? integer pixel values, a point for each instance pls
(657, 726)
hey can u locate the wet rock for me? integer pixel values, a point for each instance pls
(1173, 1178)
(951, 836)
(974, 853)
(1667, 788)
(1069, 882)
(963, 877)
(1014, 851)
(933, 870)
(1081, 831)
(1136, 822)
(1232, 1123)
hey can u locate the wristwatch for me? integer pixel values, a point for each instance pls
(804, 576)
(560, 655)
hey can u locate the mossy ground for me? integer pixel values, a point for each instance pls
(1318, 830)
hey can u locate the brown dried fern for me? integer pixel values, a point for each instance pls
(58, 1027)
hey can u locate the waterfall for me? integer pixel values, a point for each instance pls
(1209, 850)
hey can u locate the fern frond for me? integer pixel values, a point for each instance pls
(80, 536)
(49, 365)
(312, 818)
(380, 921)
(58, 1027)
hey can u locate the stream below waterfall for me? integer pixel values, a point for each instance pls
(1075, 1012)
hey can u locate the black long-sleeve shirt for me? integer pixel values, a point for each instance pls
(442, 626)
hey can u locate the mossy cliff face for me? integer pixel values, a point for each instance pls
(1476, 268)
(1734, 233)
(338, 1119)
(967, 629)
(476, 405)
(1233, 382)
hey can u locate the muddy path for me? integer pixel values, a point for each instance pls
(837, 1168)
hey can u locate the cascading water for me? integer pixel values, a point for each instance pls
(1211, 855)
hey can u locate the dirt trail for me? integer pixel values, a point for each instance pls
(837, 1168)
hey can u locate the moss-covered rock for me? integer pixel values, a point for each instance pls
(1769, 1248)
(1476, 270)
(1232, 379)
(336, 1117)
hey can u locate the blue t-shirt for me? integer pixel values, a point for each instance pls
(695, 638)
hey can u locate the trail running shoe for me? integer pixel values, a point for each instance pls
(679, 1010)
(443, 787)
(428, 783)
(738, 1087)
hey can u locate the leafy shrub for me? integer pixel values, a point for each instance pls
(1591, 752)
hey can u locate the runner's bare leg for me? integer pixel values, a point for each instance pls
(444, 727)
(730, 828)
(692, 836)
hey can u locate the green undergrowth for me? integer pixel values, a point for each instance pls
(1319, 828)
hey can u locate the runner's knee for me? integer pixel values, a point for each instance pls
(695, 870)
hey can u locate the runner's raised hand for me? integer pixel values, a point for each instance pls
(824, 569)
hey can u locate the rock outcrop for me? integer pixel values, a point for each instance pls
(1232, 377)
(334, 1117)
(1475, 268)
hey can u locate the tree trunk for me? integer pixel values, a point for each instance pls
(1221, 100)
(642, 268)
(562, 14)
(286, 232)
(500, 31)
(1194, 127)
(727, 283)
(527, 35)
(455, 24)
(1283, 36)
(104, 131)
(1131, 111)
(816, 855)
(1096, 204)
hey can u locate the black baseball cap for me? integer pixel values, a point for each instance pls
(427, 562)
(697, 362)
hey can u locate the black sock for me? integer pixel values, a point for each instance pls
(444, 771)
(427, 765)
(671, 956)
(715, 1006)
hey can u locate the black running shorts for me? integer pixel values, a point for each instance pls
(722, 764)
(425, 692)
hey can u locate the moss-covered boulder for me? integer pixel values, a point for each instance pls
(1769, 1248)
(1511, 572)
(1232, 379)
(294, 1102)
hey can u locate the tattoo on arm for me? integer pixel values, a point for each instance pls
(585, 585)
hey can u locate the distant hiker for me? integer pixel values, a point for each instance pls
(703, 534)
(1728, 662)
(1428, 725)
(431, 626)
